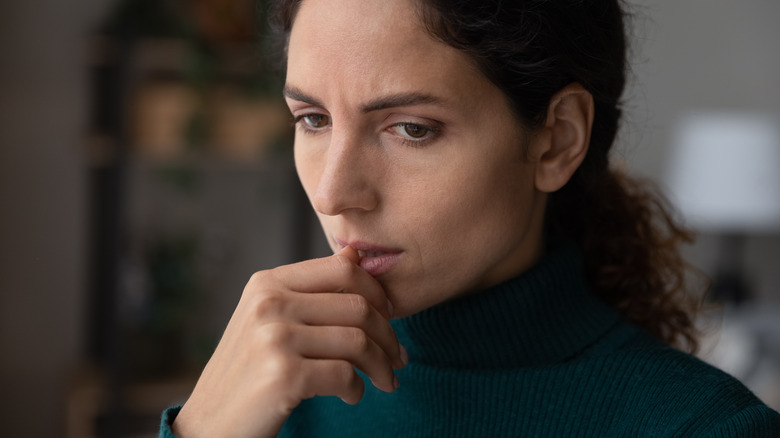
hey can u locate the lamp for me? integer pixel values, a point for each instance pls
(724, 176)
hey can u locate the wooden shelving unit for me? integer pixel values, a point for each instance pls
(192, 189)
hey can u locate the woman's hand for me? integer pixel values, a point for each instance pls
(298, 331)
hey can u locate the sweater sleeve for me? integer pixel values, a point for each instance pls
(757, 421)
(167, 420)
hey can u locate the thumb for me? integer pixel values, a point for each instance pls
(353, 256)
(350, 253)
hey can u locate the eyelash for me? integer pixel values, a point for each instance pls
(430, 135)
(432, 132)
(305, 126)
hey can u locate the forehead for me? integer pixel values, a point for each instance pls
(371, 46)
(336, 25)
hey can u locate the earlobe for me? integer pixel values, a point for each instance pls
(567, 137)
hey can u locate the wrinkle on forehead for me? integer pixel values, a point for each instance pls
(369, 47)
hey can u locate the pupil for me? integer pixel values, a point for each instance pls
(415, 131)
(317, 120)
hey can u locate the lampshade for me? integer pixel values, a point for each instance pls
(724, 171)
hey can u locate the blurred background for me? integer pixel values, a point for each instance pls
(146, 173)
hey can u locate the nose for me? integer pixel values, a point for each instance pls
(347, 181)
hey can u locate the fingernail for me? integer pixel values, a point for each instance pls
(390, 308)
(396, 383)
(404, 355)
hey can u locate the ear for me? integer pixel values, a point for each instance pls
(563, 142)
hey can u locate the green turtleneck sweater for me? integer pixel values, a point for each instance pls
(538, 356)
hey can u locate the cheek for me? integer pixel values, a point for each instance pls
(460, 232)
(469, 208)
(308, 170)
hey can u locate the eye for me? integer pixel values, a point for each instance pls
(414, 131)
(316, 121)
(313, 121)
(415, 134)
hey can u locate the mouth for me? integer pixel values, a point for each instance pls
(375, 259)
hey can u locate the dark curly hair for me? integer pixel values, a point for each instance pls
(531, 49)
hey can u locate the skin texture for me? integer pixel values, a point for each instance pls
(292, 337)
(410, 155)
(467, 189)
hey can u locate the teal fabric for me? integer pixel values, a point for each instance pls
(539, 356)
(167, 419)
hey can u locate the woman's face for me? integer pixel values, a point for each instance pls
(408, 153)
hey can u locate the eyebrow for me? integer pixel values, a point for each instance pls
(401, 99)
(300, 96)
(384, 102)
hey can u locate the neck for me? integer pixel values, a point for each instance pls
(541, 317)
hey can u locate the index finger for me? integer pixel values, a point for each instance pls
(339, 273)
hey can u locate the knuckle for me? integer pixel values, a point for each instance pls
(277, 335)
(359, 340)
(258, 278)
(268, 303)
(344, 372)
(280, 366)
(351, 386)
(360, 307)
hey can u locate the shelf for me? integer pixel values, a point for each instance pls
(102, 151)
(180, 146)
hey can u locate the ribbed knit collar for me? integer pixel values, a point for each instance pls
(542, 317)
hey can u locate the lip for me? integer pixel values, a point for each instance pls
(375, 259)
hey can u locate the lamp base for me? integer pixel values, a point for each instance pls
(729, 283)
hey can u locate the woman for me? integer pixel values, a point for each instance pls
(492, 276)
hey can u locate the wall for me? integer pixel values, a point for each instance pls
(42, 207)
(703, 54)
